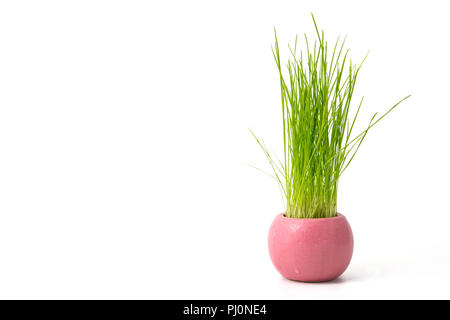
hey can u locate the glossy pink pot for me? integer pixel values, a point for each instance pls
(310, 250)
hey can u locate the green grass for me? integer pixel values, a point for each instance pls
(318, 138)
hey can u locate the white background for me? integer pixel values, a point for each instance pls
(124, 142)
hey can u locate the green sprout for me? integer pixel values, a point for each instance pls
(317, 128)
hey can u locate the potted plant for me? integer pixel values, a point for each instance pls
(310, 241)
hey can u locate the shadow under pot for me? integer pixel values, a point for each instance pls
(310, 250)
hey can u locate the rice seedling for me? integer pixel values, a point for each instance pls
(318, 138)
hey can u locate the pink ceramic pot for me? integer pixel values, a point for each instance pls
(310, 250)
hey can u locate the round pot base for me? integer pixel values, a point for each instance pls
(310, 250)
